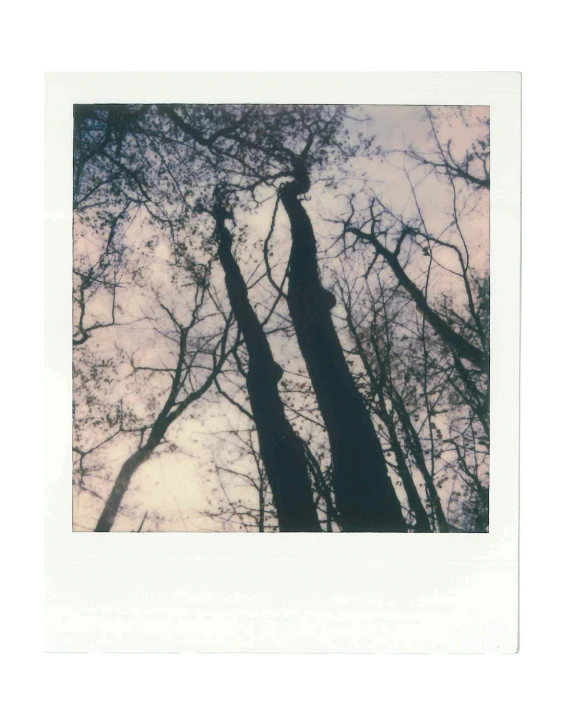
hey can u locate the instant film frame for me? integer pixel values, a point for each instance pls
(165, 592)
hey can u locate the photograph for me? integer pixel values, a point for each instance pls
(281, 318)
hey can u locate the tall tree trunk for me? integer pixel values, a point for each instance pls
(365, 496)
(281, 449)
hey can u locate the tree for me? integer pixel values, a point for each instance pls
(175, 404)
(282, 451)
(365, 497)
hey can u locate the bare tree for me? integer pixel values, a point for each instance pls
(179, 397)
(365, 497)
(281, 449)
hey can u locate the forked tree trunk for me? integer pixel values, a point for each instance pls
(281, 449)
(365, 496)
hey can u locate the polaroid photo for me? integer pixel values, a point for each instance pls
(283, 362)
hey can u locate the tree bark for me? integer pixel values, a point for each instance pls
(365, 496)
(281, 449)
(122, 482)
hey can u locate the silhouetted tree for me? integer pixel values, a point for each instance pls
(281, 450)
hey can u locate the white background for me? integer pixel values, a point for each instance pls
(302, 689)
